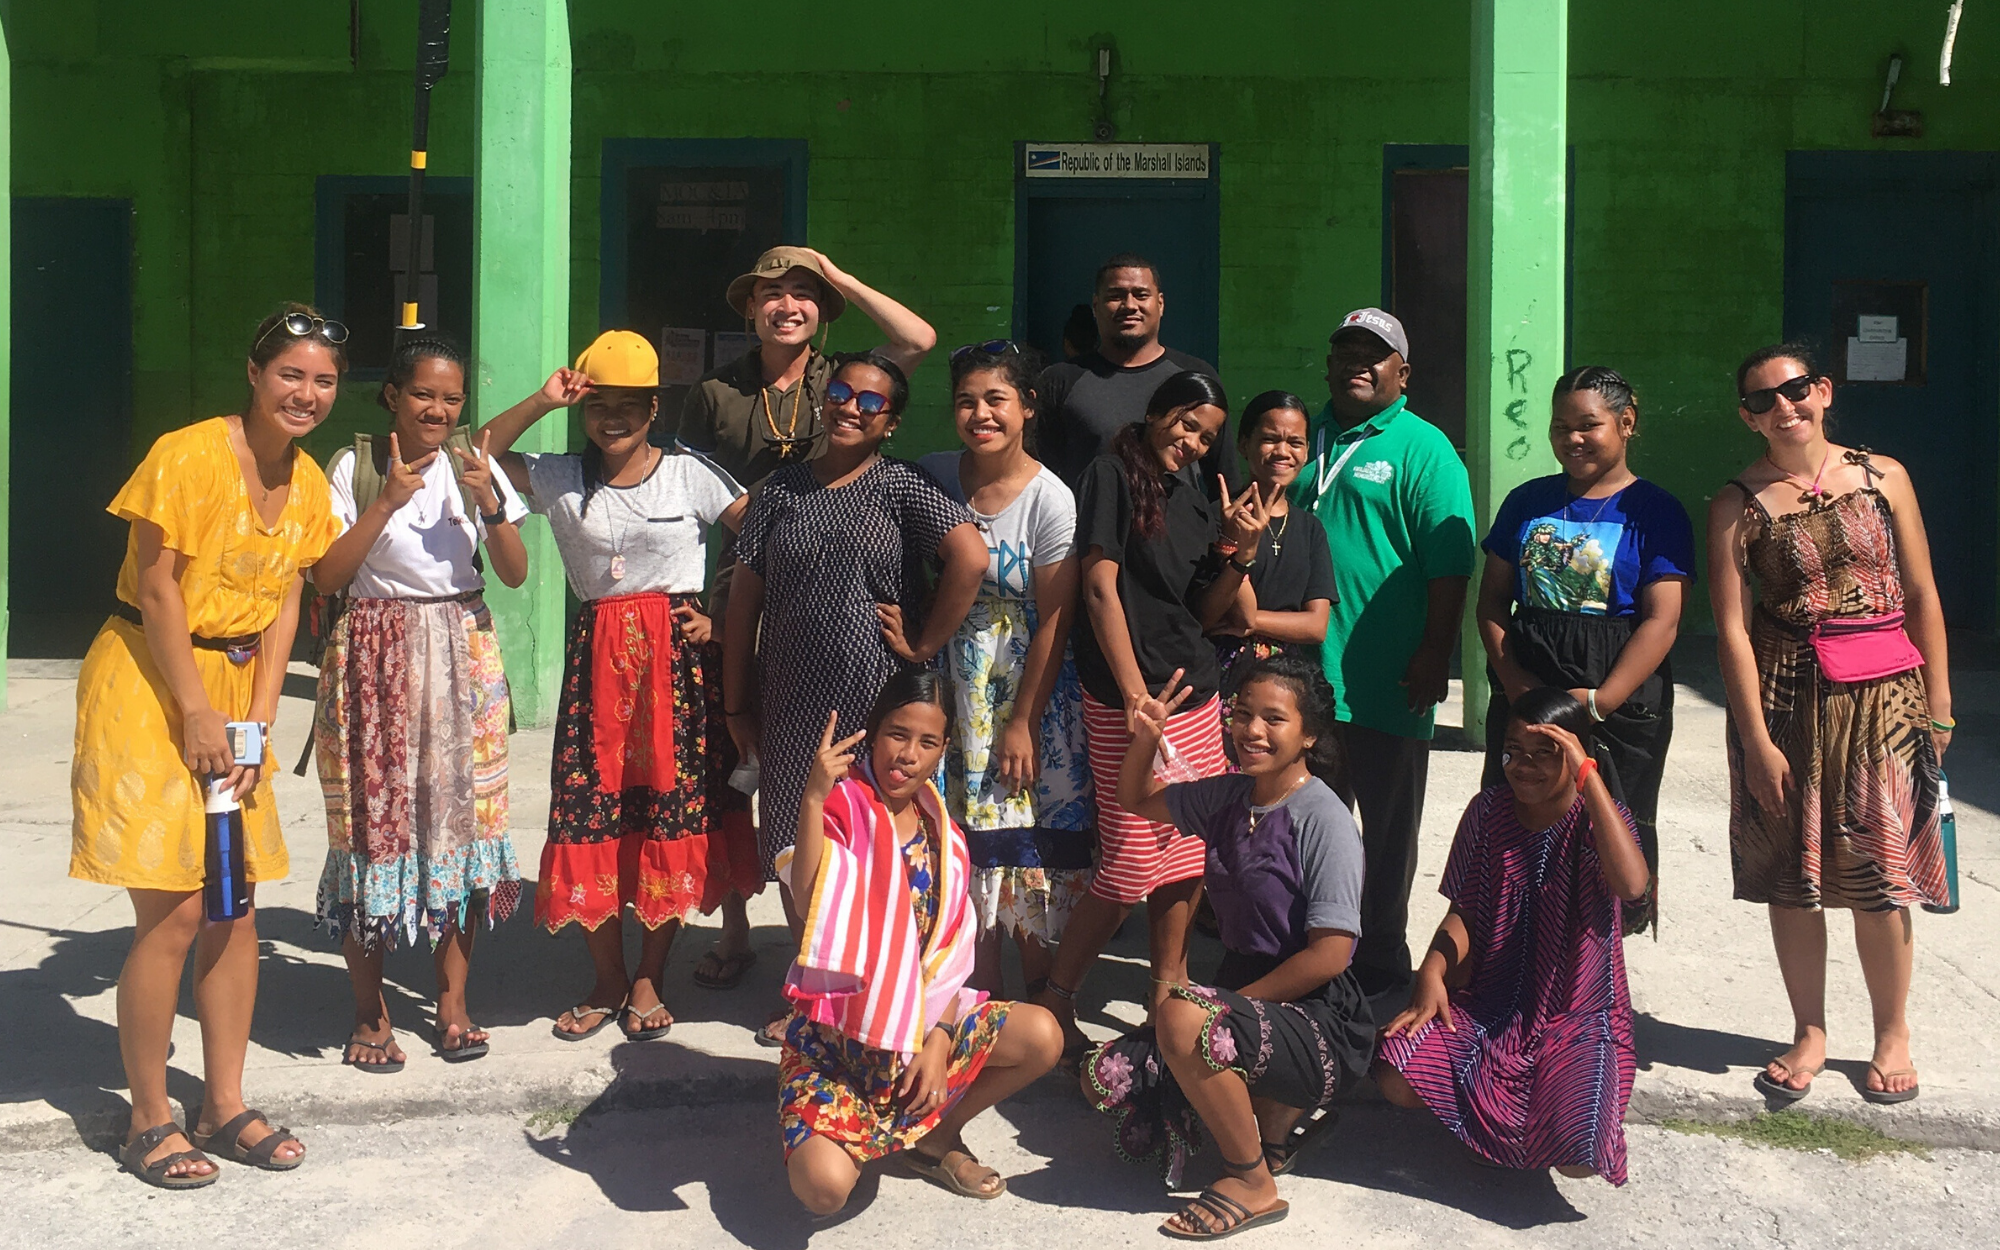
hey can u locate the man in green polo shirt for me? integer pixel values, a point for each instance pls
(1397, 507)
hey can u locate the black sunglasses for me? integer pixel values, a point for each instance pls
(299, 325)
(992, 347)
(1795, 389)
(869, 402)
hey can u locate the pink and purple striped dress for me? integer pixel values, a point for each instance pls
(1540, 1068)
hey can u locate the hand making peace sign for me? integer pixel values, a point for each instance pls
(1245, 518)
(404, 480)
(476, 475)
(1147, 718)
(832, 761)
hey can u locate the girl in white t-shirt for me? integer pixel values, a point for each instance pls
(411, 725)
(641, 813)
(1016, 776)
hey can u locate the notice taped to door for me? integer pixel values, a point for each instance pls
(1115, 160)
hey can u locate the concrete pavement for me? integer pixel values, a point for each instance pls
(1711, 1008)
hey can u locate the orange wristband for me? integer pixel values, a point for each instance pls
(1583, 772)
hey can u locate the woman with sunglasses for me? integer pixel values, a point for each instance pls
(827, 599)
(224, 515)
(1017, 779)
(1586, 572)
(1833, 653)
(411, 724)
(641, 814)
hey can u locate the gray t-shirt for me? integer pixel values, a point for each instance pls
(1034, 531)
(1297, 868)
(654, 532)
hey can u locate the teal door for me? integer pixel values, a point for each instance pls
(1892, 270)
(72, 427)
(1065, 228)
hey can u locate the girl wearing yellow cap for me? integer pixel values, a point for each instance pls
(640, 812)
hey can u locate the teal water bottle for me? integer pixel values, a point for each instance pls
(225, 886)
(1948, 837)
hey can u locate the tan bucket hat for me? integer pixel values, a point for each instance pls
(776, 263)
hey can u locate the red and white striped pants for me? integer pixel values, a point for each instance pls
(1136, 856)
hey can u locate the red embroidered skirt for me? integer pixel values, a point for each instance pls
(640, 807)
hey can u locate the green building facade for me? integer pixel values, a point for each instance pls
(1651, 234)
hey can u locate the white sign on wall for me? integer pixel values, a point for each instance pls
(1116, 160)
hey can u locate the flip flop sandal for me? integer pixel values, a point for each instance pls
(1889, 1097)
(462, 1052)
(605, 1016)
(730, 970)
(942, 1172)
(1777, 1089)
(1282, 1157)
(133, 1156)
(1226, 1217)
(223, 1141)
(653, 1034)
(388, 1067)
(774, 1030)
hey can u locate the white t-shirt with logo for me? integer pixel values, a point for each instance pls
(655, 531)
(1036, 530)
(425, 550)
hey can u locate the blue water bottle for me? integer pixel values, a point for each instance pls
(1948, 836)
(225, 887)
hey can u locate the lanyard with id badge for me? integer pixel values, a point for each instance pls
(1325, 481)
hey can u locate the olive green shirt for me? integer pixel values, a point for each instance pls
(743, 426)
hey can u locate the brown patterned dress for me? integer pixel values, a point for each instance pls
(1864, 831)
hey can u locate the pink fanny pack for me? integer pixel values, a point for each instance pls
(1864, 648)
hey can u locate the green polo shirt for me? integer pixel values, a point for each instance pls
(1397, 507)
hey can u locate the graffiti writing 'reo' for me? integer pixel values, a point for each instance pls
(1518, 449)
(1515, 410)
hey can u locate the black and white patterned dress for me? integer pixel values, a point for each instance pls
(827, 557)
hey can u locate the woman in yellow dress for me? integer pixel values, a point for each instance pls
(224, 513)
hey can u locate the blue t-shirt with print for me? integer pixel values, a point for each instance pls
(1590, 555)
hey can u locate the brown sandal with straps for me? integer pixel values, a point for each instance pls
(133, 1156)
(224, 1141)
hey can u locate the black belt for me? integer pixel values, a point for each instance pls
(245, 644)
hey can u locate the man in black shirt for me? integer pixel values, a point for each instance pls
(1087, 400)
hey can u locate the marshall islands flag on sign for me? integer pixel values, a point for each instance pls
(1115, 160)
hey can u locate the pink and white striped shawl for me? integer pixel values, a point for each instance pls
(862, 967)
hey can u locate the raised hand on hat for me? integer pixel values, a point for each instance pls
(564, 388)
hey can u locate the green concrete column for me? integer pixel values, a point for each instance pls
(1515, 263)
(520, 293)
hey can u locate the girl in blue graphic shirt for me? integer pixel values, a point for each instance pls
(1586, 573)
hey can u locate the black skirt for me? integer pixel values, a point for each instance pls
(1572, 650)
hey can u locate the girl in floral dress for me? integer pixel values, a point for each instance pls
(889, 1051)
(1016, 774)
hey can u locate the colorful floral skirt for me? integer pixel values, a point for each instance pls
(1028, 902)
(410, 732)
(830, 1086)
(1298, 1053)
(640, 807)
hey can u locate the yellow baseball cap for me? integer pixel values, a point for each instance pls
(620, 358)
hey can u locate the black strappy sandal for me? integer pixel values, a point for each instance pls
(133, 1155)
(1282, 1156)
(1218, 1215)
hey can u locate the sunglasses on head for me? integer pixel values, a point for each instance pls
(991, 347)
(300, 325)
(1793, 389)
(869, 402)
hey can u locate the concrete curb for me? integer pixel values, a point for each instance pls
(650, 1076)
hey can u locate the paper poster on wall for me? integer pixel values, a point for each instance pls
(730, 344)
(681, 354)
(1877, 362)
(1875, 329)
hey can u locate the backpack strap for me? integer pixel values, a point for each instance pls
(371, 469)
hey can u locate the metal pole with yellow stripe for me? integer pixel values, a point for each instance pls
(433, 58)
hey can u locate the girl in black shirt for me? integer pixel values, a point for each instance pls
(1148, 528)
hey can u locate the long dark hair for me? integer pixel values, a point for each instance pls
(410, 353)
(269, 340)
(1186, 389)
(1020, 369)
(907, 686)
(1310, 690)
(1549, 705)
(1801, 352)
(1257, 409)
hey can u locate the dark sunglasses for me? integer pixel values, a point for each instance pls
(299, 325)
(992, 347)
(869, 402)
(1795, 389)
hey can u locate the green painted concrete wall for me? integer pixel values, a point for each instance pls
(217, 122)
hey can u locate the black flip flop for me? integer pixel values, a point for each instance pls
(1282, 1156)
(264, 1155)
(577, 1013)
(133, 1155)
(732, 968)
(1889, 1097)
(464, 1051)
(389, 1068)
(1778, 1090)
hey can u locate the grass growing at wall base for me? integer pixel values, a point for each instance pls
(1795, 1130)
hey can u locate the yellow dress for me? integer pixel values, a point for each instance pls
(138, 810)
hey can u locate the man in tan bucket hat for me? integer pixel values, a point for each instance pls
(761, 410)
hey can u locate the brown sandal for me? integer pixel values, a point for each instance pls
(224, 1141)
(943, 1171)
(133, 1155)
